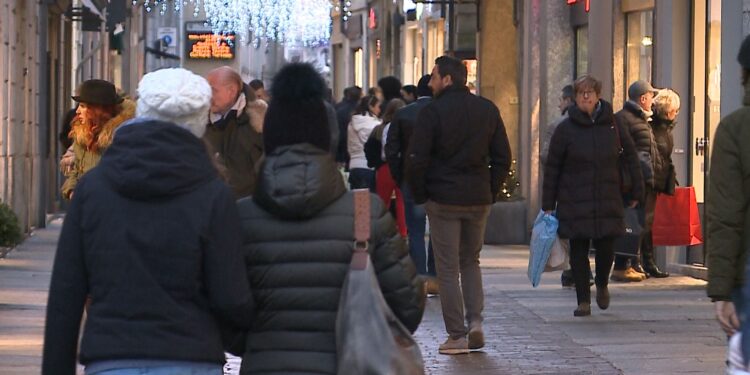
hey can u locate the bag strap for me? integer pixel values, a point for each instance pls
(619, 140)
(361, 228)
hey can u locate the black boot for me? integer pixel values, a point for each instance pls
(650, 266)
(636, 264)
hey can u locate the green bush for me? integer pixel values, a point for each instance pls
(10, 231)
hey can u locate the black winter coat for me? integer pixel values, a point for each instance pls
(344, 111)
(298, 230)
(581, 177)
(399, 136)
(665, 177)
(152, 235)
(459, 153)
(635, 121)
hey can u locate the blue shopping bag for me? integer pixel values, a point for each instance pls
(543, 235)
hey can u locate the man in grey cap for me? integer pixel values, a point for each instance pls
(635, 115)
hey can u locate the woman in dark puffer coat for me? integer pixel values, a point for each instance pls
(298, 235)
(582, 182)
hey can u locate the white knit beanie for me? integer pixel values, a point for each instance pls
(175, 95)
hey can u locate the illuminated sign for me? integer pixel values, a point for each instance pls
(586, 5)
(372, 20)
(203, 44)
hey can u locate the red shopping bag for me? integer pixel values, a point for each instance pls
(676, 219)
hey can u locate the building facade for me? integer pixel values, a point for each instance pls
(679, 44)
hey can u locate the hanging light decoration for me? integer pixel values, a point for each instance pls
(305, 22)
(310, 23)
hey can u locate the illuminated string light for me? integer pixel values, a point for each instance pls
(305, 22)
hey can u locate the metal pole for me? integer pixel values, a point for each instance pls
(43, 117)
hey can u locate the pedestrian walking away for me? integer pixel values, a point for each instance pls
(729, 216)
(344, 111)
(399, 136)
(100, 111)
(582, 187)
(236, 142)
(385, 186)
(152, 239)
(364, 121)
(298, 239)
(458, 155)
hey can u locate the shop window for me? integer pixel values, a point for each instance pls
(582, 51)
(639, 54)
(358, 67)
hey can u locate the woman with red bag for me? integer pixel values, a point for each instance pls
(666, 107)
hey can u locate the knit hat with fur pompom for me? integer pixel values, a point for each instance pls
(296, 113)
(175, 95)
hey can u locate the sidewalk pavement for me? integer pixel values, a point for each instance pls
(659, 326)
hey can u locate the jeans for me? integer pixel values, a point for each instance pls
(416, 221)
(197, 369)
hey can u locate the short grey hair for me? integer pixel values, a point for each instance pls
(666, 100)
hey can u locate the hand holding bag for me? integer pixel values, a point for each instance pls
(370, 340)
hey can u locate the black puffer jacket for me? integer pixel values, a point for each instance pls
(635, 120)
(152, 236)
(298, 242)
(581, 176)
(664, 172)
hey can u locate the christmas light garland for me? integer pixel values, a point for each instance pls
(304, 22)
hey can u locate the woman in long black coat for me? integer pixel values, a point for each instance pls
(582, 182)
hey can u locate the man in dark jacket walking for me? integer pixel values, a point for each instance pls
(458, 155)
(396, 146)
(237, 145)
(635, 116)
(344, 111)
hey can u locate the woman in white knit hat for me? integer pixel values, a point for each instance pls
(152, 236)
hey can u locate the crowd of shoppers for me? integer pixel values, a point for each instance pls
(218, 219)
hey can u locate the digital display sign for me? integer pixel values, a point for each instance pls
(203, 44)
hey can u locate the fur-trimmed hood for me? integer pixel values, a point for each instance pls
(125, 111)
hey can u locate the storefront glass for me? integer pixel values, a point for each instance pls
(358, 67)
(582, 51)
(639, 53)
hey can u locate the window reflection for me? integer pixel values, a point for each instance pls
(639, 53)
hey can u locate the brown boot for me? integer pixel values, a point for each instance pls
(431, 286)
(627, 275)
(584, 309)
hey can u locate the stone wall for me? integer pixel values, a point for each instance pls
(20, 161)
